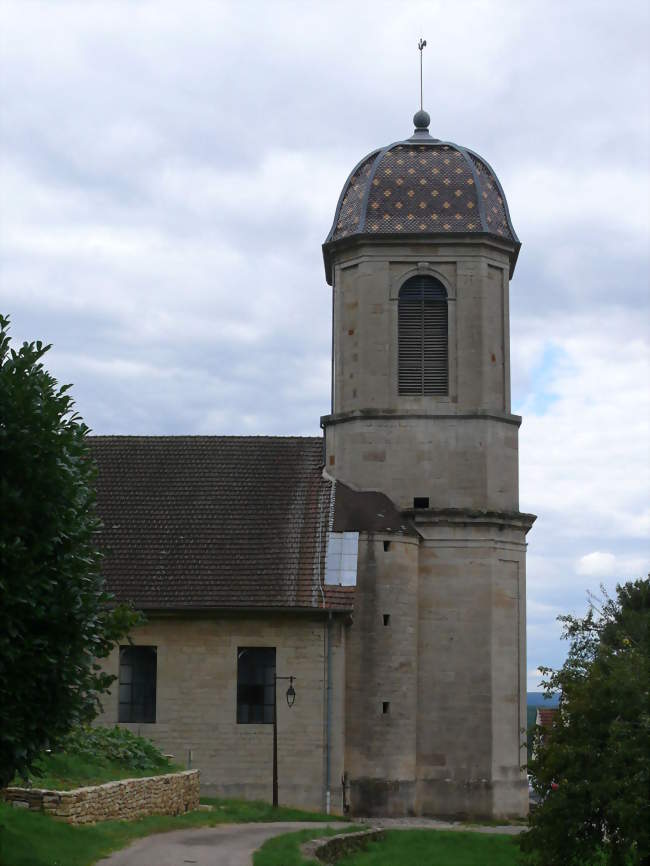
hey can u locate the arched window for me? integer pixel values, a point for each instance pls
(422, 337)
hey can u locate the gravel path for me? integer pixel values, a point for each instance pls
(435, 824)
(234, 844)
(225, 845)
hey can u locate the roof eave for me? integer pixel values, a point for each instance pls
(197, 610)
(333, 246)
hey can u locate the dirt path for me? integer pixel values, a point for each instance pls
(225, 845)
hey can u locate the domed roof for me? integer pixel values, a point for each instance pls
(421, 187)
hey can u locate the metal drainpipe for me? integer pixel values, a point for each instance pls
(333, 346)
(328, 763)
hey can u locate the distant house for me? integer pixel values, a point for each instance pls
(545, 717)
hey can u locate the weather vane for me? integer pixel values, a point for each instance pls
(421, 45)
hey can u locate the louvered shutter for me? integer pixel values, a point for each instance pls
(422, 337)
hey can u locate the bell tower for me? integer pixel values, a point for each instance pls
(420, 257)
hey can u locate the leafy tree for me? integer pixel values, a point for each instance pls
(592, 769)
(54, 617)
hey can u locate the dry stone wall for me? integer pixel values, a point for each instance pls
(336, 847)
(171, 794)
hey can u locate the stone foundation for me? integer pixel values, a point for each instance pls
(171, 794)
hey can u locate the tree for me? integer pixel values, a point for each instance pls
(55, 618)
(592, 770)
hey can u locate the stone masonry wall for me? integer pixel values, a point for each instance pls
(196, 704)
(171, 794)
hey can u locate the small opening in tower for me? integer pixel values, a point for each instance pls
(386, 546)
(385, 707)
(386, 619)
(421, 502)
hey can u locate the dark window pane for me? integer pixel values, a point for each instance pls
(255, 672)
(137, 692)
(125, 694)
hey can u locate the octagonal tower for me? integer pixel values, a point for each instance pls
(419, 258)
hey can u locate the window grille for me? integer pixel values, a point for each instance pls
(137, 687)
(423, 366)
(255, 673)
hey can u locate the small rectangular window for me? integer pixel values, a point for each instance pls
(137, 684)
(385, 707)
(255, 675)
(421, 502)
(386, 546)
(386, 619)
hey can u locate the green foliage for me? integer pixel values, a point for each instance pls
(54, 618)
(531, 715)
(91, 756)
(116, 745)
(593, 769)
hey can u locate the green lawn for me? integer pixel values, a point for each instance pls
(401, 848)
(64, 771)
(439, 847)
(33, 839)
(285, 850)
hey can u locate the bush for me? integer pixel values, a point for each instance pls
(55, 616)
(592, 769)
(114, 745)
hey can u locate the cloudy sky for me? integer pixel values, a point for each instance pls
(168, 172)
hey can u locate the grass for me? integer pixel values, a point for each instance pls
(285, 850)
(403, 847)
(440, 847)
(64, 771)
(91, 756)
(34, 839)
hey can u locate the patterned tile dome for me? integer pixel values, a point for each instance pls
(424, 187)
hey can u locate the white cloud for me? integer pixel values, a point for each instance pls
(566, 198)
(597, 564)
(587, 452)
(534, 680)
(167, 180)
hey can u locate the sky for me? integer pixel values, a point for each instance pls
(169, 171)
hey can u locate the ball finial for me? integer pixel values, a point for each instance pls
(421, 120)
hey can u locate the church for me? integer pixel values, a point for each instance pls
(370, 582)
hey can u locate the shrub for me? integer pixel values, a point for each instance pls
(114, 745)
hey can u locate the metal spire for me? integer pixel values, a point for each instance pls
(421, 119)
(421, 45)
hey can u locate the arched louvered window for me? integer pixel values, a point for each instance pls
(422, 337)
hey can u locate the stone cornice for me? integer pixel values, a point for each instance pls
(394, 414)
(470, 516)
